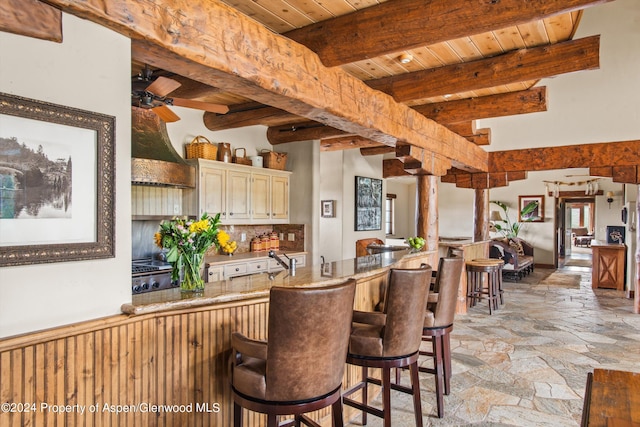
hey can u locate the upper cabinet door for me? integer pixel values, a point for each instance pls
(212, 192)
(280, 197)
(238, 195)
(261, 196)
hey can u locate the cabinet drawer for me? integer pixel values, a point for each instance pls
(235, 270)
(257, 266)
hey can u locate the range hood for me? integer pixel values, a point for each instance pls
(154, 161)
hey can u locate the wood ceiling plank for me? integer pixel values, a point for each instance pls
(533, 34)
(285, 75)
(521, 65)
(506, 104)
(370, 32)
(560, 28)
(31, 18)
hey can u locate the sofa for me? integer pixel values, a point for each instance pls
(581, 236)
(516, 254)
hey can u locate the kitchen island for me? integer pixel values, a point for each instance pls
(167, 350)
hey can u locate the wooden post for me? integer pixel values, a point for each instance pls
(636, 293)
(427, 210)
(481, 215)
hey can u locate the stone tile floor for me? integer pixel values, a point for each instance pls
(527, 364)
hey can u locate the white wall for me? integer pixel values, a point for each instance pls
(354, 164)
(585, 107)
(90, 70)
(405, 206)
(330, 230)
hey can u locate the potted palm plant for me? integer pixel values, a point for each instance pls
(510, 229)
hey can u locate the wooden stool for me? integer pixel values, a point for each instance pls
(476, 270)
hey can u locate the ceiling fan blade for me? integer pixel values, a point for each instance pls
(163, 86)
(200, 105)
(166, 114)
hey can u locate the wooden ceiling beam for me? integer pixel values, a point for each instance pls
(606, 154)
(305, 131)
(516, 66)
(484, 107)
(350, 142)
(173, 35)
(392, 168)
(418, 161)
(31, 18)
(406, 24)
(380, 149)
(250, 115)
(446, 113)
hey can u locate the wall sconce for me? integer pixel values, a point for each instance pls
(495, 216)
(609, 198)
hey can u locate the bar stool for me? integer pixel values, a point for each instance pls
(498, 277)
(438, 324)
(300, 367)
(390, 339)
(477, 271)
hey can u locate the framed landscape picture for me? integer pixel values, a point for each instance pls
(368, 209)
(56, 183)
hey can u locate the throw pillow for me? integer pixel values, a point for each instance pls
(517, 246)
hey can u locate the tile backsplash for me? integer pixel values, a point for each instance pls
(143, 245)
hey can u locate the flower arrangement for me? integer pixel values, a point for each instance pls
(188, 240)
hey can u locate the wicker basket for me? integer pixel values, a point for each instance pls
(244, 160)
(201, 148)
(273, 160)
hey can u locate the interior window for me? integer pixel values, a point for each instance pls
(389, 227)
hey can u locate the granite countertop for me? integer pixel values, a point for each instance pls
(604, 243)
(258, 285)
(458, 241)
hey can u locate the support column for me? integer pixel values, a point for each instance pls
(481, 215)
(427, 210)
(636, 293)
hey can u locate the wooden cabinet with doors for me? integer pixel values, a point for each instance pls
(242, 194)
(608, 269)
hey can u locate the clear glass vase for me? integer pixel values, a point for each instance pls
(191, 280)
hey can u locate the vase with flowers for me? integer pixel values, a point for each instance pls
(187, 241)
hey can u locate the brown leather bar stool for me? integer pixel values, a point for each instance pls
(299, 368)
(390, 339)
(479, 270)
(438, 325)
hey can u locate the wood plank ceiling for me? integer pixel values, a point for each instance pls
(469, 59)
(452, 61)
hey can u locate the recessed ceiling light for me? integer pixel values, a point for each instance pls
(405, 58)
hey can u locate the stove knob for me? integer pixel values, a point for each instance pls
(155, 284)
(145, 286)
(136, 289)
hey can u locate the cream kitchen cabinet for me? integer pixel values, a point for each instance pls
(242, 194)
(270, 197)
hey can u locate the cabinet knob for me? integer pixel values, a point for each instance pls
(230, 213)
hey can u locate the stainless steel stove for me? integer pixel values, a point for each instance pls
(148, 275)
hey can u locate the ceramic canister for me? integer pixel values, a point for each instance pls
(224, 152)
(256, 161)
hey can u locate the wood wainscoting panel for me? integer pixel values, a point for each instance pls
(128, 364)
(116, 368)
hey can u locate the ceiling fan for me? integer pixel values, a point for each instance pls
(148, 91)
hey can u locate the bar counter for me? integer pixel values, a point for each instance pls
(168, 349)
(258, 285)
